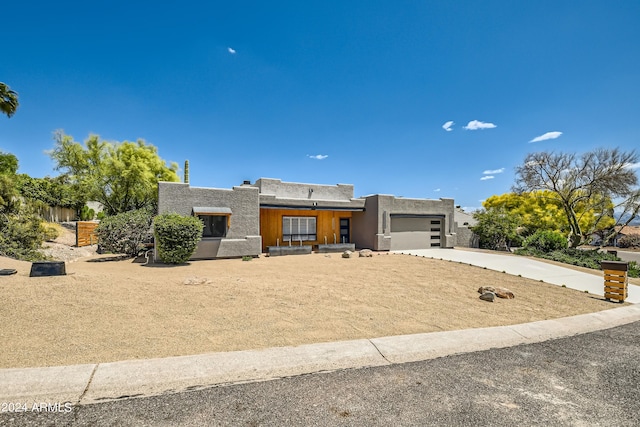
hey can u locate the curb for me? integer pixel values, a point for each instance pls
(94, 383)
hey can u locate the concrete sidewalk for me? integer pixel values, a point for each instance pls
(92, 383)
(526, 267)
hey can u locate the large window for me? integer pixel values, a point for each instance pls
(214, 225)
(296, 228)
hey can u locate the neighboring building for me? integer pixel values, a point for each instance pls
(598, 237)
(464, 236)
(629, 230)
(248, 219)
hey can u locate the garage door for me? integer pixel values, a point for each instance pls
(415, 232)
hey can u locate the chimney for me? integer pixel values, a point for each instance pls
(186, 171)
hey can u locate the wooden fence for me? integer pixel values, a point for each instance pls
(57, 214)
(85, 233)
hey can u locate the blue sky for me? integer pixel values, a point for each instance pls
(327, 91)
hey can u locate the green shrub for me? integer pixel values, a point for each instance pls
(21, 236)
(629, 241)
(176, 237)
(545, 241)
(634, 269)
(51, 231)
(589, 258)
(125, 233)
(86, 213)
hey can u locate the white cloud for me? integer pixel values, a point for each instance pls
(231, 50)
(447, 126)
(436, 190)
(632, 165)
(476, 124)
(486, 177)
(494, 171)
(318, 156)
(548, 135)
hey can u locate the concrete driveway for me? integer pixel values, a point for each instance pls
(526, 267)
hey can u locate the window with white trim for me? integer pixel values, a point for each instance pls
(297, 228)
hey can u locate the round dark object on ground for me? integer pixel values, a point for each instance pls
(48, 268)
(8, 271)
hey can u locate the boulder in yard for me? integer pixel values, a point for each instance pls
(347, 254)
(488, 296)
(484, 289)
(504, 293)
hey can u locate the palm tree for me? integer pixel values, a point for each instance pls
(8, 100)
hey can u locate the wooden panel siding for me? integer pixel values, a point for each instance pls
(85, 233)
(271, 225)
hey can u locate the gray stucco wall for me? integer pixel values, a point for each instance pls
(296, 190)
(465, 238)
(364, 225)
(243, 234)
(372, 228)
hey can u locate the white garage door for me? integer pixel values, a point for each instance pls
(415, 233)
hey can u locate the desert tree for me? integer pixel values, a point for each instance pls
(627, 209)
(496, 227)
(122, 176)
(582, 183)
(542, 210)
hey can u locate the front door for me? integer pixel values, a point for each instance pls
(344, 230)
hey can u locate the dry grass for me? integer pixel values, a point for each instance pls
(118, 310)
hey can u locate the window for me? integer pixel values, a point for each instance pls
(296, 228)
(214, 225)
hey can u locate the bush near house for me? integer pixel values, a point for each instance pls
(629, 241)
(125, 233)
(545, 241)
(176, 237)
(87, 214)
(21, 236)
(589, 258)
(51, 231)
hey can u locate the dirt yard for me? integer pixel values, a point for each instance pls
(117, 310)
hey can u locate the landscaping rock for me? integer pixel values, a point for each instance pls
(347, 254)
(504, 293)
(488, 296)
(500, 292)
(366, 253)
(484, 289)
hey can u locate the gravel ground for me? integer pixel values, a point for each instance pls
(108, 311)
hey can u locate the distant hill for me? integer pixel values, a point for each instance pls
(623, 219)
